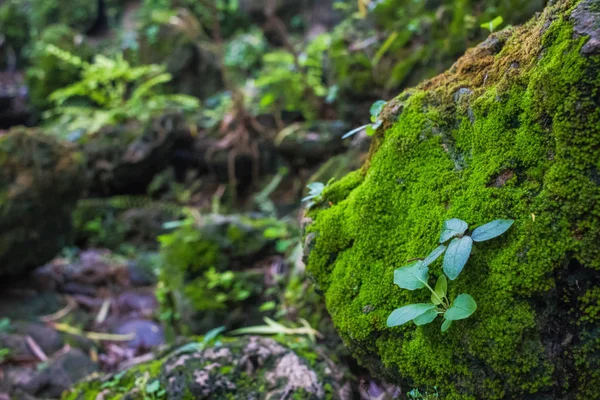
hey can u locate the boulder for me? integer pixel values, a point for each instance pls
(242, 368)
(220, 270)
(41, 179)
(124, 159)
(510, 131)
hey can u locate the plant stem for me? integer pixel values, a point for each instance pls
(436, 296)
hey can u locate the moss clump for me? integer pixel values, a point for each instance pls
(512, 130)
(40, 182)
(214, 273)
(243, 368)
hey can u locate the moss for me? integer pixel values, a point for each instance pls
(40, 181)
(213, 270)
(520, 141)
(223, 372)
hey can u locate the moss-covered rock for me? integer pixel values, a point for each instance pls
(218, 270)
(40, 181)
(512, 130)
(124, 159)
(245, 368)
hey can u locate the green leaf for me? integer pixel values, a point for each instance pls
(491, 230)
(407, 313)
(434, 255)
(493, 24)
(355, 131)
(441, 286)
(212, 335)
(315, 187)
(457, 256)
(413, 276)
(453, 227)
(462, 307)
(153, 387)
(377, 107)
(426, 317)
(446, 325)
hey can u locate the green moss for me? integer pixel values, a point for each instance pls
(222, 372)
(522, 143)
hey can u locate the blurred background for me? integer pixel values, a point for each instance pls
(154, 158)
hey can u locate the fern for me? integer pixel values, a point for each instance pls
(111, 91)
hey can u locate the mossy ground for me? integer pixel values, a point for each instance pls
(512, 130)
(231, 368)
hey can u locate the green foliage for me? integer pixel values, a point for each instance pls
(493, 24)
(48, 73)
(4, 354)
(416, 276)
(216, 290)
(314, 193)
(14, 33)
(415, 394)
(111, 91)
(244, 52)
(295, 82)
(80, 15)
(376, 122)
(275, 328)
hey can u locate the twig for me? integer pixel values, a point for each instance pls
(103, 313)
(36, 349)
(94, 335)
(71, 306)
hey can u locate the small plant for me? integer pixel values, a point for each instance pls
(4, 354)
(275, 328)
(493, 24)
(110, 92)
(416, 275)
(415, 394)
(314, 193)
(376, 122)
(5, 325)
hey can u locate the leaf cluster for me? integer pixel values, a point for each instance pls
(111, 91)
(376, 122)
(416, 275)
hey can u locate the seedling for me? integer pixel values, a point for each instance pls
(376, 122)
(416, 275)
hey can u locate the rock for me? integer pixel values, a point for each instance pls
(40, 182)
(29, 305)
(585, 20)
(110, 222)
(195, 68)
(219, 270)
(61, 374)
(125, 159)
(13, 101)
(49, 340)
(240, 368)
(148, 334)
(530, 153)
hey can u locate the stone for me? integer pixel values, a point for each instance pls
(236, 368)
(510, 131)
(41, 179)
